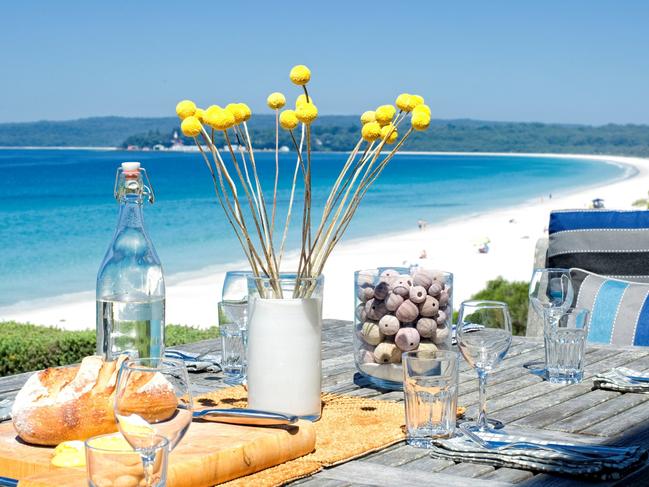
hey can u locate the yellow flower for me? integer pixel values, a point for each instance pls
(288, 120)
(199, 114)
(219, 118)
(420, 120)
(301, 100)
(185, 108)
(405, 102)
(368, 116)
(237, 111)
(389, 133)
(371, 131)
(384, 114)
(419, 100)
(300, 74)
(247, 113)
(306, 113)
(275, 101)
(421, 109)
(191, 126)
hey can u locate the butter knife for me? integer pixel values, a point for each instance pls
(252, 417)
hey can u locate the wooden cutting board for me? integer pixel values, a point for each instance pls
(209, 453)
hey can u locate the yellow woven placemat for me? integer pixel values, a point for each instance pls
(349, 428)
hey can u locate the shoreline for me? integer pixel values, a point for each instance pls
(449, 244)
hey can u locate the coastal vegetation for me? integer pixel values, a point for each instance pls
(338, 133)
(25, 347)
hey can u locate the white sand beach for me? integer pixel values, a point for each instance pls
(450, 245)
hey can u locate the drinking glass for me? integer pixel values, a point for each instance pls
(152, 400)
(111, 462)
(484, 335)
(235, 286)
(232, 329)
(549, 288)
(565, 337)
(430, 383)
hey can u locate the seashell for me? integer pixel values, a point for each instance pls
(389, 325)
(365, 279)
(441, 318)
(422, 278)
(367, 357)
(407, 312)
(439, 277)
(407, 339)
(417, 294)
(388, 275)
(371, 333)
(441, 335)
(426, 327)
(365, 294)
(387, 353)
(427, 347)
(435, 289)
(443, 299)
(381, 290)
(375, 309)
(393, 302)
(361, 314)
(428, 308)
(401, 286)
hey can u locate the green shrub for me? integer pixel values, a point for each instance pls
(25, 347)
(515, 294)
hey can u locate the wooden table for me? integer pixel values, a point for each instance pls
(516, 397)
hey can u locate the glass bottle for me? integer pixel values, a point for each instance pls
(130, 282)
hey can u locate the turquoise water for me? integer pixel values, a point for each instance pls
(57, 212)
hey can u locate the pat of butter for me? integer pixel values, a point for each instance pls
(69, 454)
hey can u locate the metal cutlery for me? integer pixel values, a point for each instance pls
(630, 375)
(252, 417)
(582, 452)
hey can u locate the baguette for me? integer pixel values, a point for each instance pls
(76, 403)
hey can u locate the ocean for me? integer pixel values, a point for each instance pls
(58, 214)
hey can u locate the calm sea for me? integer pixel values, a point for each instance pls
(57, 212)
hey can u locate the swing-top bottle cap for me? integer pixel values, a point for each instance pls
(131, 168)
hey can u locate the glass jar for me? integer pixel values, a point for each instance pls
(399, 309)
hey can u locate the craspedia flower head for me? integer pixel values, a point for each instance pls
(306, 113)
(199, 114)
(219, 118)
(368, 116)
(300, 74)
(371, 131)
(288, 120)
(384, 114)
(405, 102)
(420, 120)
(247, 112)
(301, 100)
(185, 108)
(275, 101)
(389, 133)
(237, 111)
(421, 108)
(418, 100)
(191, 126)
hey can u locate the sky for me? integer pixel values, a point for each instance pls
(546, 61)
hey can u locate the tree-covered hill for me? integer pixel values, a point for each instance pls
(339, 133)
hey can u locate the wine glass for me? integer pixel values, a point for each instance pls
(550, 289)
(235, 286)
(153, 400)
(484, 335)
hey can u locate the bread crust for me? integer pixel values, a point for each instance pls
(76, 403)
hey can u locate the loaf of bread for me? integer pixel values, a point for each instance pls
(76, 403)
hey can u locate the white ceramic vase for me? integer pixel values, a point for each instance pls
(284, 372)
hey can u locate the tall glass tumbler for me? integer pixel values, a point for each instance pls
(566, 332)
(232, 329)
(430, 384)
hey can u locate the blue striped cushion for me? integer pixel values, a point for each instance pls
(606, 242)
(619, 309)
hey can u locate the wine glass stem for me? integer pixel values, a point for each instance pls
(148, 463)
(482, 414)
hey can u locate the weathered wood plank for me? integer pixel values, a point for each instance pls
(368, 473)
(510, 475)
